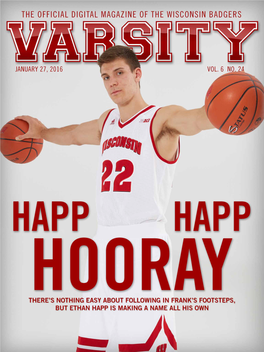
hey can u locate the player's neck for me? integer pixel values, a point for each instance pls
(131, 108)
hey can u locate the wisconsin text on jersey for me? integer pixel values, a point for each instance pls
(123, 142)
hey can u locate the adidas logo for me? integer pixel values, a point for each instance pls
(144, 120)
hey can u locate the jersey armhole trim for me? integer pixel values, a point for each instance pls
(155, 148)
(106, 119)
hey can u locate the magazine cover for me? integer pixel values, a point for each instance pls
(151, 240)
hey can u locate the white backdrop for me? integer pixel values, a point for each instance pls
(212, 167)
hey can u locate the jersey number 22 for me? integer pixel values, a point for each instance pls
(125, 169)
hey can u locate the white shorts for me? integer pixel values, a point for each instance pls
(136, 329)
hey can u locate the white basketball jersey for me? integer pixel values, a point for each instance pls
(134, 181)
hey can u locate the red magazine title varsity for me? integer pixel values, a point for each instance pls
(60, 37)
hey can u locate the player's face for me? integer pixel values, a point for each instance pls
(121, 84)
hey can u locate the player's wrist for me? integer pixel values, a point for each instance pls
(43, 132)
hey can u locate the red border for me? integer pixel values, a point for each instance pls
(169, 335)
(106, 119)
(87, 350)
(85, 341)
(121, 125)
(154, 145)
(140, 347)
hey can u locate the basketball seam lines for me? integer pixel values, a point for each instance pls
(29, 152)
(21, 151)
(245, 80)
(235, 106)
(14, 140)
(9, 123)
(255, 109)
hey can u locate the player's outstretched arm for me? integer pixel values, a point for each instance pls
(85, 133)
(173, 121)
(185, 122)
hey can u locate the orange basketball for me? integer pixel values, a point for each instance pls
(20, 152)
(235, 103)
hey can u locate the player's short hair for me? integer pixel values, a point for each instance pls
(119, 52)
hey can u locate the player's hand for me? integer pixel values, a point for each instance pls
(35, 128)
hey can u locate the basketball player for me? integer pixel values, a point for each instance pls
(139, 147)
